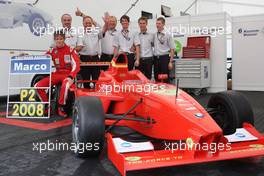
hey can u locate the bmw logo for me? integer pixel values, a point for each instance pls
(126, 144)
(199, 115)
(240, 135)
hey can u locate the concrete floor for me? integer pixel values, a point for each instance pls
(18, 158)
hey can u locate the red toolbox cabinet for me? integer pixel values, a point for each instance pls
(197, 47)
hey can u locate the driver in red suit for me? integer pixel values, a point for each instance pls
(67, 64)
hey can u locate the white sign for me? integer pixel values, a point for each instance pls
(123, 146)
(241, 135)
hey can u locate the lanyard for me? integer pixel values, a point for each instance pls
(112, 33)
(161, 38)
(125, 35)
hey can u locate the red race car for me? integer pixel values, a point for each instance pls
(167, 126)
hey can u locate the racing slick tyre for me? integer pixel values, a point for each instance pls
(36, 79)
(88, 128)
(37, 24)
(69, 103)
(230, 110)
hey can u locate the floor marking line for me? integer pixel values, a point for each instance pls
(35, 125)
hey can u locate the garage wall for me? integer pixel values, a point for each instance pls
(219, 42)
(248, 53)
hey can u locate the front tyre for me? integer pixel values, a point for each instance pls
(230, 110)
(88, 128)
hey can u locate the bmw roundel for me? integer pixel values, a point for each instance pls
(199, 115)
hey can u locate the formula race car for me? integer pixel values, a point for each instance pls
(15, 14)
(167, 126)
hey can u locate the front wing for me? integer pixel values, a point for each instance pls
(132, 161)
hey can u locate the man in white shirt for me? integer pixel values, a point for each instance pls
(70, 35)
(108, 34)
(128, 43)
(108, 40)
(164, 47)
(146, 48)
(88, 48)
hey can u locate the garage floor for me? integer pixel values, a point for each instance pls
(18, 158)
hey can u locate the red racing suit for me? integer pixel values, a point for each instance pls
(67, 64)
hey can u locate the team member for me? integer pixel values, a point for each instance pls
(70, 36)
(67, 65)
(108, 40)
(146, 48)
(163, 50)
(88, 48)
(108, 37)
(128, 43)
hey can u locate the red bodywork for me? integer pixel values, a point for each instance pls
(175, 120)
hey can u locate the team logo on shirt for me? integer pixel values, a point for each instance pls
(57, 61)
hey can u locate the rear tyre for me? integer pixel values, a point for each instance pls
(88, 128)
(230, 110)
(69, 103)
(55, 95)
(36, 79)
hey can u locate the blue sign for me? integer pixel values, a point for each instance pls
(32, 66)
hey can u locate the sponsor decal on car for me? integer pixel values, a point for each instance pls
(199, 115)
(168, 92)
(139, 160)
(133, 158)
(126, 144)
(254, 147)
(257, 146)
(240, 135)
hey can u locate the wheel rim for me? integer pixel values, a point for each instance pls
(76, 128)
(37, 24)
(221, 117)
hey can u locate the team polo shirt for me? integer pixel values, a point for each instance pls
(146, 44)
(125, 40)
(107, 42)
(90, 42)
(163, 43)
